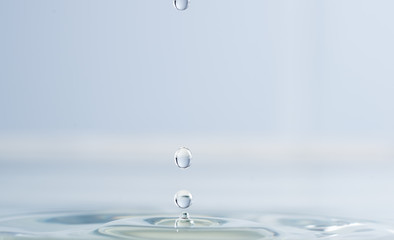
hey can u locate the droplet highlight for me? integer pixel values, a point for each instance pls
(183, 157)
(181, 4)
(183, 199)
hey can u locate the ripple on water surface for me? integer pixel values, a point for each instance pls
(132, 226)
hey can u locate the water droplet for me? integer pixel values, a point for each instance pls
(184, 221)
(184, 215)
(181, 4)
(183, 199)
(183, 157)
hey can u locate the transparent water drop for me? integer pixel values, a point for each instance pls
(184, 215)
(183, 199)
(184, 221)
(181, 4)
(183, 157)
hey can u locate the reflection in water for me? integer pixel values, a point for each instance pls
(135, 226)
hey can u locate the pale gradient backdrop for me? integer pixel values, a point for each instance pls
(287, 105)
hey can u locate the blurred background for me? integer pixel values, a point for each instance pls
(286, 105)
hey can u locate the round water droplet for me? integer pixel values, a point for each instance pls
(184, 215)
(183, 199)
(181, 4)
(184, 221)
(183, 157)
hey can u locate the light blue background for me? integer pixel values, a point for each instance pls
(286, 105)
(263, 67)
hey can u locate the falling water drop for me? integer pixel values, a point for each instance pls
(183, 199)
(181, 4)
(183, 157)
